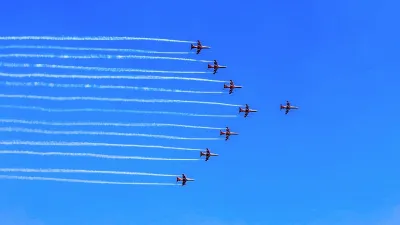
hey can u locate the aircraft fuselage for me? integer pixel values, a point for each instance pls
(203, 47)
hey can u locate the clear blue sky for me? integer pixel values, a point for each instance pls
(334, 161)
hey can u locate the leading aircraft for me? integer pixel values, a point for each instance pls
(231, 86)
(199, 47)
(215, 66)
(183, 179)
(227, 133)
(288, 107)
(207, 153)
(246, 110)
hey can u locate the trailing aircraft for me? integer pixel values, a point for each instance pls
(231, 86)
(227, 133)
(215, 66)
(207, 153)
(199, 47)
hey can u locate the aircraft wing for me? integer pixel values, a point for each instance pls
(183, 182)
(287, 110)
(207, 157)
(246, 113)
(198, 50)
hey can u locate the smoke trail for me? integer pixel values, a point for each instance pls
(105, 124)
(127, 77)
(113, 99)
(98, 57)
(93, 144)
(112, 111)
(92, 155)
(98, 133)
(43, 84)
(90, 38)
(79, 181)
(28, 170)
(88, 49)
(103, 69)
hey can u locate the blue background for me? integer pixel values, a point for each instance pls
(334, 161)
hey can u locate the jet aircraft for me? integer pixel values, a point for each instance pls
(207, 153)
(227, 133)
(231, 86)
(199, 47)
(288, 107)
(184, 179)
(246, 110)
(215, 66)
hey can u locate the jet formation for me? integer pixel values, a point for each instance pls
(246, 109)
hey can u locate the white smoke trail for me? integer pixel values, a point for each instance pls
(127, 77)
(105, 124)
(103, 69)
(89, 49)
(89, 38)
(43, 84)
(98, 133)
(111, 111)
(28, 170)
(51, 98)
(92, 144)
(98, 57)
(92, 155)
(80, 181)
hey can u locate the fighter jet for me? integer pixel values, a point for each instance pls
(231, 86)
(288, 107)
(227, 133)
(215, 66)
(199, 47)
(246, 110)
(184, 179)
(207, 153)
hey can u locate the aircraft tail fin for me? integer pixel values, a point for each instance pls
(282, 107)
(221, 132)
(201, 153)
(191, 46)
(209, 66)
(226, 86)
(178, 179)
(240, 110)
